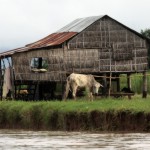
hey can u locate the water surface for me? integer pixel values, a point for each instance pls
(45, 140)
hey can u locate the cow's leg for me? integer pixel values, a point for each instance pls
(74, 91)
(90, 95)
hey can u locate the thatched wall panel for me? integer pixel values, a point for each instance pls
(141, 60)
(104, 68)
(104, 55)
(85, 60)
(54, 76)
(103, 31)
(123, 68)
(141, 53)
(25, 61)
(104, 62)
(22, 61)
(55, 59)
(141, 67)
(123, 62)
(113, 68)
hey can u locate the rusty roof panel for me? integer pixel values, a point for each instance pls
(65, 33)
(11, 52)
(52, 40)
(57, 38)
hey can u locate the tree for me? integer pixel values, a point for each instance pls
(146, 33)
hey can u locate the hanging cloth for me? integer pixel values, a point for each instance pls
(7, 86)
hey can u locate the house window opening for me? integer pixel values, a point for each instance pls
(39, 64)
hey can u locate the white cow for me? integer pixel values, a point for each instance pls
(75, 81)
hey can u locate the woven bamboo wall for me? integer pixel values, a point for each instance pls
(82, 60)
(119, 49)
(104, 33)
(55, 71)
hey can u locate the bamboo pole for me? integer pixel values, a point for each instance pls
(118, 83)
(121, 77)
(129, 84)
(109, 90)
(144, 85)
(129, 81)
(104, 91)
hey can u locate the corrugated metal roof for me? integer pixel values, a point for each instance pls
(65, 33)
(11, 52)
(62, 35)
(52, 40)
(79, 24)
(59, 37)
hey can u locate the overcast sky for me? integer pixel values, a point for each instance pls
(26, 21)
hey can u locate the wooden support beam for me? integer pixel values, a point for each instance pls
(118, 83)
(109, 88)
(129, 81)
(104, 89)
(129, 84)
(144, 85)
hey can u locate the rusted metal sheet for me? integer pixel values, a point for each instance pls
(52, 40)
(57, 38)
(11, 52)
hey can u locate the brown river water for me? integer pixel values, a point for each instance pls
(48, 140)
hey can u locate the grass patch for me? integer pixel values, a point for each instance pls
(136, 82)
(101, 114)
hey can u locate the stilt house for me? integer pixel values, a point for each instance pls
(97, 45)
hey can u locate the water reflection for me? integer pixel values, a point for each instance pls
(42, 140)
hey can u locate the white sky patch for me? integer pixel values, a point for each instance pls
(26, 21)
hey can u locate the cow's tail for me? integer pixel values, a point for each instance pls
(67, 88)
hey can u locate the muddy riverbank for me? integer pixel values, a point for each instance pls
(118, 115)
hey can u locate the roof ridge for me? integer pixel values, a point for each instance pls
(79, 24)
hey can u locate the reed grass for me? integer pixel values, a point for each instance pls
(136, 82)
(71, 115)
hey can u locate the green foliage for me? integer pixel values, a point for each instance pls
(136, 82)
(146, 33)
(70, 115)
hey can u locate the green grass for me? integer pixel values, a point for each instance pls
(102, 104)
(136, 82)
(58, 115)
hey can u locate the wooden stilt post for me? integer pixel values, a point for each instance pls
(104, 89)
(109, 91)
(129, 81)
(144, 85)
(118, 83)
(129, 84)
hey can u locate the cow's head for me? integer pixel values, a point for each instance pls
(96, 87)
